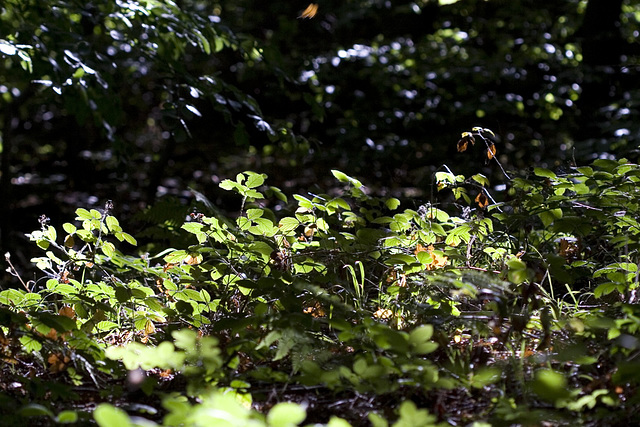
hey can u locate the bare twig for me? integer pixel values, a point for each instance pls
(12, 270)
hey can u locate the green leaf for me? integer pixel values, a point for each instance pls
(229, 185)
(339, 202)
(176, 257)
(108, 249)
(607, 288)
(397, 259)
(337, 422)
(485, 376)
(377, 420)
(57, 322)
(550, 385)
(544, 173)
(130, 239)
(107, 415)
(67, 417)
(112, 223)
(517, 272)
(69, 228)
(481, 179)
(193, 227)
(29, 343)
(253, 194)
(288, 224)
(286, 414)
(35, 410)
(254, 180)
(275, 191)
(410, 415)
(342, 177)
(86, 236)
(549, 216)
(585, 170)
(83, 214)
(122, 294)
(392, 203)
(51, 233)
(254, 213)
(424, 348)
(420, 334)
(606, 164)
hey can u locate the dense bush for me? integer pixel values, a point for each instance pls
(527, 304)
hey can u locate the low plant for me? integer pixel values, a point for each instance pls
(524, 297)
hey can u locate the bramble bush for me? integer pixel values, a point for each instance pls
(527, 302)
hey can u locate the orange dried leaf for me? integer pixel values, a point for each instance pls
(167, 374)
(65, 276)
(439, 260)
(67, 312)
(193, 259)
(57, 362)
(316, 310)
(53, 334)
(310, 11)
(310, 230)
(383, 314)
(491, 151)
(482, 200)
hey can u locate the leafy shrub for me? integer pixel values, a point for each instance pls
(344, 294)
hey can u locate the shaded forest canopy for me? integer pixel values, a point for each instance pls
(110, 101)
(152, 112)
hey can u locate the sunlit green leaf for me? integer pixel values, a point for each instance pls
(286, 414)
(107, 415)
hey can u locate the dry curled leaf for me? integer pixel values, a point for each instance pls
(149, 327)
(491, 151)
(310, 11)
(57, 362)
(280, 259)
(439, 260)
(67, 311)
(482, 200)
(193, 259)
(569, 249)
(463, 144)
(383, 314)
(315, 310)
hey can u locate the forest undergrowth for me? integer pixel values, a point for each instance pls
(512, 303)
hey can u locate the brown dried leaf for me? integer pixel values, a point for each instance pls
(57, 362)
(463, 144)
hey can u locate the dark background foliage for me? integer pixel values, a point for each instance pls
(134, 101)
